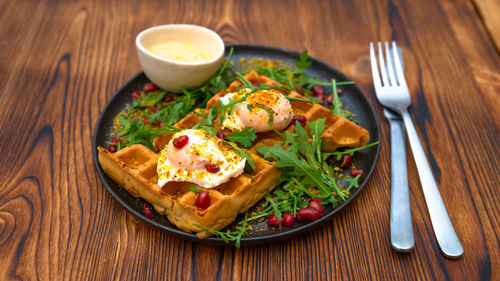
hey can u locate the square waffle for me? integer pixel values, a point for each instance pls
(134, 168)
(338, 132)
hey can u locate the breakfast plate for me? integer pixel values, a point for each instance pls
(352, 98)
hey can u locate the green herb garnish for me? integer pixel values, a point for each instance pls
(244, 137)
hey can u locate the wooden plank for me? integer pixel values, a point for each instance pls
(489, 11)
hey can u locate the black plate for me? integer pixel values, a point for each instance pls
(352, 98)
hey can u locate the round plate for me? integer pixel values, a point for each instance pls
(352, 98)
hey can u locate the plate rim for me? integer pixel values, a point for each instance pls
(213, 240)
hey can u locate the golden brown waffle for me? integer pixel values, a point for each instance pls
(339, 131)
(134, 168)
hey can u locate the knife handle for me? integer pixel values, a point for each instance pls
(402, 238)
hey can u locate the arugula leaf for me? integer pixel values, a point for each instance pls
(337, 104)
(303, 61)
(244, 137)
(149, 99)
(250, 164)
(350, 151)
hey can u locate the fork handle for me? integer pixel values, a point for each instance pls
(402, 238)
(443, 229)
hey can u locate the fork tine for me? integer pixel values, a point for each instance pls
(390, 69)
(382, 65)
(397, 63)
(375, 74)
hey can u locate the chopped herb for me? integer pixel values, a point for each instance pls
(194, 189)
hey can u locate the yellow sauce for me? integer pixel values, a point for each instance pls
(180, 51)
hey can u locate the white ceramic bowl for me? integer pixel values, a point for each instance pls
(172, 75)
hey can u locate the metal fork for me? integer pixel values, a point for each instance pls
(394, 94)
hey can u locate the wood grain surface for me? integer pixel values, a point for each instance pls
(61, 61)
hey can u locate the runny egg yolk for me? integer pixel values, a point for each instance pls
(265, 110)
(195, 161)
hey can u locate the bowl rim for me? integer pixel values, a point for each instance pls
(218, 39)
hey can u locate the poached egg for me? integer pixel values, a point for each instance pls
(204, 160)
(264, 110)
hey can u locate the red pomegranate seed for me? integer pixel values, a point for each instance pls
(169, 99)
(339, 91)
(221, 135)
(317, 206)
(345, 161)
(301, 119)
(329, 99)
(212, 168)
(112, 148)
(273, 220)
(162, 124)
(150, 87)
(181, 141)
(146, 120)
(355, 172)
(255, 83)
(318, 90)
(309, 213)
(316, 200)
(154, 109)
(288, 219)
(298, 217)
(135, 95)
(115, 140)
(148, 212)
(203, 201)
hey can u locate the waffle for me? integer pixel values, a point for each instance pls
(338, 132)
(134, 168)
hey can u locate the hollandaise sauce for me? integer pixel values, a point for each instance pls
(182, 51)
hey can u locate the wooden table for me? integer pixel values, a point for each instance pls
(61, 61)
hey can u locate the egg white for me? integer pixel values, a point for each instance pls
(187, 164)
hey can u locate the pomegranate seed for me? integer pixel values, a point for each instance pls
(112, 148)
(162, 124)
(345, 161)
(273, 220)
(150, 87)
(154, 109)
(299, 217)
(181, 141)
(169, 99)
(339, 91)
(309, 213)
(148, 212)
(135, 95)
(355, 172)
(299, 90)
(329, 99)
(146, 120)
(115, 140)
(316, 200)
(317, 206)
(301, 119)
(203, 201)
(212, 168)
(287, 219)
(322, 98)
(255, 83)
(221, 136)
(318, 90)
